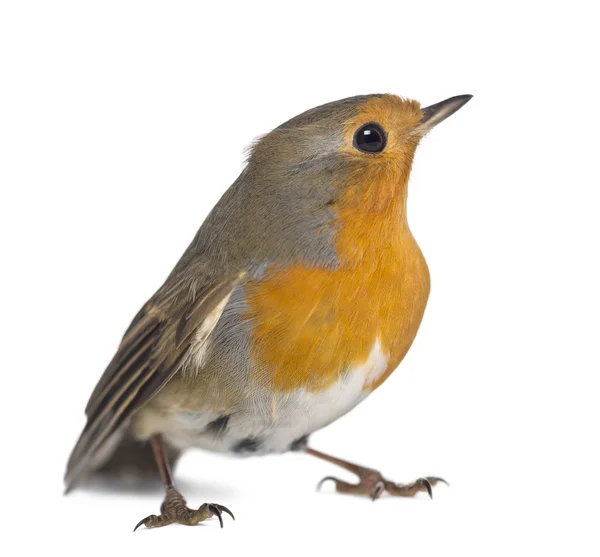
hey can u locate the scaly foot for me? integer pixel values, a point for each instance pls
(174, 509)
(373, 484)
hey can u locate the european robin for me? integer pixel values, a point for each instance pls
(300, 294)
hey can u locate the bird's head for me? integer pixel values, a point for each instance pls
(340, 169)
(364, 143)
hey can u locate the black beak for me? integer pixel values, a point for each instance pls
(436, 113)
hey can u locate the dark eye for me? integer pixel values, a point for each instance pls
(370, 138)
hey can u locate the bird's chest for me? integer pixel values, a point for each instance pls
(311, 326)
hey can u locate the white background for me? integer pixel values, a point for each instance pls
(122, 123)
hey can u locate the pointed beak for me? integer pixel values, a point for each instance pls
(436, 113)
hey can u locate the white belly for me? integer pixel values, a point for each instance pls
(272, 422)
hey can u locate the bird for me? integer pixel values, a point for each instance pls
(300, 294)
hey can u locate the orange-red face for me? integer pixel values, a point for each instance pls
(380, 140)
(379, 145)
(384, 130)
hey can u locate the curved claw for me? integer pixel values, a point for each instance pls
(217, 512)
(427, 484)
(143, 521)
(324, 480)
(224, 509)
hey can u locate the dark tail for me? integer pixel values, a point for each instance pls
(130, 459)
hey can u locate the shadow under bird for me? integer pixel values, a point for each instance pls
(300, 294)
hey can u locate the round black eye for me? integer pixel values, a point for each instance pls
(370, 138)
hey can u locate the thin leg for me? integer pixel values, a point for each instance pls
(162, 461)
(371, 482)
(174, 508)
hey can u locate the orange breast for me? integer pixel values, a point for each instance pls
(311, 324)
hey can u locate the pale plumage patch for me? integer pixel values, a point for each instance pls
(199, 344)
(271, 422)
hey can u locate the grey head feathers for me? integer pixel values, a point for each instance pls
(281, 207)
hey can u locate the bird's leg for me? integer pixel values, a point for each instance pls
(174, 508)
(371, 482)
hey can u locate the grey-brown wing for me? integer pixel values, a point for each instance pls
(152, 350)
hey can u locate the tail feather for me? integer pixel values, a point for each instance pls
(122, 456)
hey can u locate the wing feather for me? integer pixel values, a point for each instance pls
(152, 350)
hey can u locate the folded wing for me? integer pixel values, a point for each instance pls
(180, 316)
